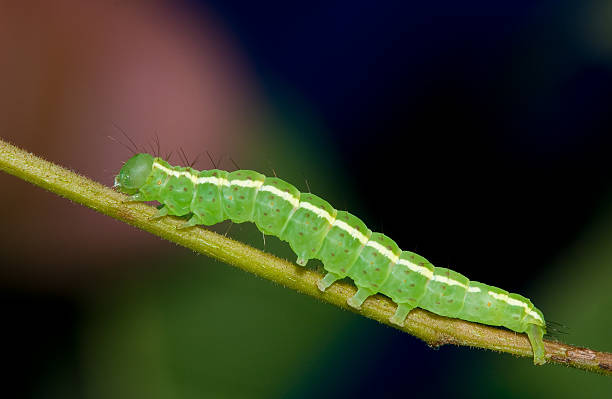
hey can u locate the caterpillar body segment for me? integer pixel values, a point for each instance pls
(407, 281)
(307, 227)
(239, 195)
(273, 208)
(207, 204)
(340, 249)
(315, 230)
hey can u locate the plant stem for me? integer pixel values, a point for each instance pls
(433, 329)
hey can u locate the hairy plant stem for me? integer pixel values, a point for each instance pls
(433, 329)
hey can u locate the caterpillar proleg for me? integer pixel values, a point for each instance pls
(345, 246)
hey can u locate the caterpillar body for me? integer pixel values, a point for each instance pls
(315, 230)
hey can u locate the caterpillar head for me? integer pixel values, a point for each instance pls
(134, 173)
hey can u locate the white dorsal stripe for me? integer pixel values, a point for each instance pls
(317, 211)
(283, 194)
(175, 173)
(295, 203)
(356, 234)
(449, 281)
(383, 251)
(507, 299)
(246, 183)
(534, 314)
(218, 181)
(515, 302)
(423, 271)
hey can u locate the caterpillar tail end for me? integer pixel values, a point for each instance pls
(535, 334)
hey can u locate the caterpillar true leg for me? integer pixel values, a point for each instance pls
(361, 295)
(138, 197)
(193, 221)
(163, 211)
(328, 280)
(400, 314)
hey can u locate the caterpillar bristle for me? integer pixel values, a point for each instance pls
(192, 163)
(235, 164)
(122, 144)
(182, 156)
(211, 160)
(158, 152)
(135, 151)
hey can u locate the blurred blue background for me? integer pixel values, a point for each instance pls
(493, 118)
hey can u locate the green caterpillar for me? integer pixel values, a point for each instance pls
(314, 229)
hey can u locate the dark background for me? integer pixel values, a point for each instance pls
(476, 134)
(471, 108)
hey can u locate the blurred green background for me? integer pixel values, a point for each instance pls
(493, 118)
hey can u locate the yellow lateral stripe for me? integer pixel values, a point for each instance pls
(344, 226)
(282, 194)
(383, 251)
(448, 281)
(423, 271)
(356, 234)
(515, 302)
(317, 211)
